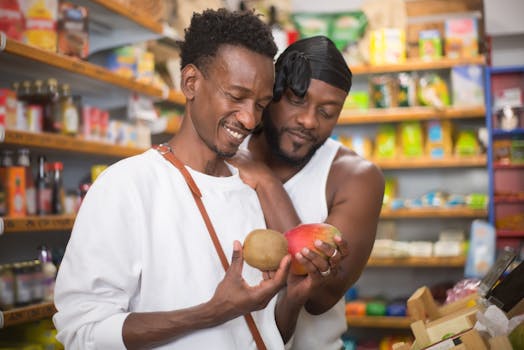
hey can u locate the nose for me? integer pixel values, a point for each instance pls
(248, 116)
(308, 119)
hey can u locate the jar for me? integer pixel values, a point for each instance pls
(23, 284)
(7, 287)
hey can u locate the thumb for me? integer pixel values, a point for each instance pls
(237, 260)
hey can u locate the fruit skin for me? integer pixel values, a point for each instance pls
(304, 236)
(516, 337)
(264, 249)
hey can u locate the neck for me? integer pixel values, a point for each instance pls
(193, 152)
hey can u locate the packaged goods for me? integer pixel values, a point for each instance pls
(8, 109)
(429, 45)
(386, 142)
(13, 178)
(387, 45)
(73, 35)
(466, 143)
(347, 28)
(11, 19)
(467, 85)
(481, 255)
(406, 90)
(433, 91)
(461, 37)
(411, 139)
(381, 90)
(123, 61)
(311, 24)
(40, 18)
(357, 100)
(438, 139)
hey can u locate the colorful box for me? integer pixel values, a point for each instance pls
(429, 45)
(461, 37)
(73, 36)
(467, 85)
(13, 179)
(8, 108)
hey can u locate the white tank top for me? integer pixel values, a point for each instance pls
(307, 190)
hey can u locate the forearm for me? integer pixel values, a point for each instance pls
(149, 329)
(278, 209)
(286, 315)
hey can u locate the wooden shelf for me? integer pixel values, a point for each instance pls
(454, 261)
(27, 314)
(132, 14)
(507, 166)
(420, 163)
(176, 97)
(387, 115)
(80, 67)
(38, 223)
(509, 234)
(416, 64)
(379, 322)
(67, 144)
(428, 213)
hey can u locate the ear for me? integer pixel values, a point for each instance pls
(190, 81)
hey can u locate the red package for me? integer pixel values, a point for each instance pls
(11, 19)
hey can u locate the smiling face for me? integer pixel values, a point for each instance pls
(296, 127)
(229, 97)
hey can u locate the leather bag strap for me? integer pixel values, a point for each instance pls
(167, 153)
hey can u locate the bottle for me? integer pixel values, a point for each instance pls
(24, 160)
(23, 288)
(7, 287)
(58, 195)
(52, 110)
(43, 188)
(49, 272)
(5, 162)
(7, 158)
(37, 281)
(279, 34)
(69, 111)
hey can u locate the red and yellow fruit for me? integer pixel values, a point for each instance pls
(304, 236)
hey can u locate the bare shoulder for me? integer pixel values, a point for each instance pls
(350, 167)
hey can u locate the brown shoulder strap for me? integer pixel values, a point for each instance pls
(165, 151)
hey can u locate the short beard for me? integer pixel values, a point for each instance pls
(272, 136)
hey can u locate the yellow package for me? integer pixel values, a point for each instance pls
(41, 17)
(386, 142)
(438, 139)
(411, 139)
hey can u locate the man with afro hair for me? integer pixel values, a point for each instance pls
(140, 270)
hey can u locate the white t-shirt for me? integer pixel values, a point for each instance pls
(139, 244)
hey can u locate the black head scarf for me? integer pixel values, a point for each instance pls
(311, 58)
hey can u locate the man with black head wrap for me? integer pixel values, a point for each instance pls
(303, 176)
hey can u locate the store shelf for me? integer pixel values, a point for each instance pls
(379, 322)
(515, 132)
(510, 234)
(38, 223)
(416, 65)
(67, 144)
(507, 166)
(516, 199)
(455, 261)
(26, 314)
(428, 213)
(15, 51)
(386, 115)
(426, 163)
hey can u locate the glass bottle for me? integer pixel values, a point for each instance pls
(52, 115)
(49, 272)
(43, 188)
(7, 287)
(58, 196)
(24, 159)
(69, 112)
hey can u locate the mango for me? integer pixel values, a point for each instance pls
(264, 249)
(304, 236)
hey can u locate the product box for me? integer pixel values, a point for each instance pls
(73, 35)
(40, 23)
(438, 139)
(461, 37)
(387, 45)
(13, 179)
(429, 44)
(11, 19)
(8, 109)
(411, 139)
(467, 85)
(145, 68)
(123, 61)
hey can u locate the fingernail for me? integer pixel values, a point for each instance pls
(318, 243)
(305, 251)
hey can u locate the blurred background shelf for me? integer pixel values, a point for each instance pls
(433, 213)
(455, 261)
(38, 223)
(379, 322)
(26, 314)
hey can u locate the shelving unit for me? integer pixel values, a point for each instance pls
(455, 261)
(506, 179)
(387, 115)
(430, 213)
(379, 322)
(26, 314)
(426, 163)
(67, 144)
(111, 25)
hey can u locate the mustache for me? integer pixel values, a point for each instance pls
(303, 132)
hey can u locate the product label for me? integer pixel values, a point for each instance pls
(7, 293)
(30, 197)
(44, 201)
(23, 289)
